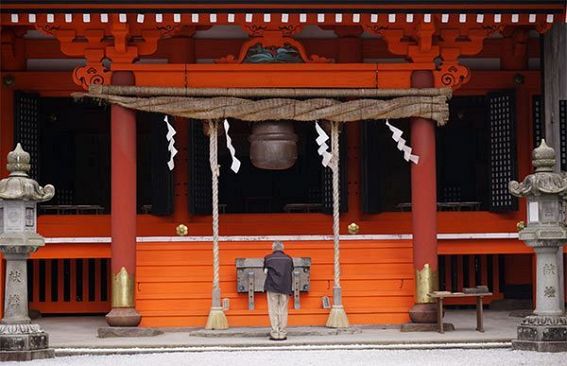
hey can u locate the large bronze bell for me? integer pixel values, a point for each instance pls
(273, 145)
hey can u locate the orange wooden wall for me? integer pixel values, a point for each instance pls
(175, 281)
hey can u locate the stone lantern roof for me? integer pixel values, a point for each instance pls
(19, 186)
(544, 180)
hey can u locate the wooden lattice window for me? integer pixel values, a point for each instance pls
(200, 180)
(502, 161)
(26, 127)
(370, 182)
(162, 177)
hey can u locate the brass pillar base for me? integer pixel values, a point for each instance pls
(423, 313)
(123, 317)
(426, 281)
(122, 289)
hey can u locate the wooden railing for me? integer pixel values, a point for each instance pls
(82, 286)
(459, 271)
(71, 286)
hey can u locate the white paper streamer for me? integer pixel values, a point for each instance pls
(172, 150)
(321, 140)
(235, 166)
(397, 137)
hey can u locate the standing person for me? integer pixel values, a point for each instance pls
(279, 268)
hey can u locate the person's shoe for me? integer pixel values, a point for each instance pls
(278, 339)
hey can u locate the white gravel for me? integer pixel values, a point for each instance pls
(460, 357)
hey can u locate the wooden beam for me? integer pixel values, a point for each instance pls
(555, 84)
(252, 75)
(488, 246)
(555, 90)
(69, 251)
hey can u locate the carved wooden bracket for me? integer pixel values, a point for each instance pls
(119, 42)
(451, 75)
(91, 75)
(429, 43)
(272, 38)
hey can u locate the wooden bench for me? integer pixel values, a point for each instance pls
(446, 206)
(71, 209)
(440, 295)
(303, 207)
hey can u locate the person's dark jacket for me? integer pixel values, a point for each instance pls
(280, 270)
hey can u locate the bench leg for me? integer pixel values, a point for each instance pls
(479, 325)
(440, 314)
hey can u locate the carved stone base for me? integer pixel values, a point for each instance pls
(23, 342)
(542, 334)
(26, 355)
(123, 317)
(423, 313)
(539, 346)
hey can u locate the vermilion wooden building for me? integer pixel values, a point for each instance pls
(454, 202)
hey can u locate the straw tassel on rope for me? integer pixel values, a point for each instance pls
(217, 318)
(337, 317)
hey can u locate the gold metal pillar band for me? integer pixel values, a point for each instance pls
(122, 289)
(426, 281)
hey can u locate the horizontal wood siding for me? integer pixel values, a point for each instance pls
(174, 282)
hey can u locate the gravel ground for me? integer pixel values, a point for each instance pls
(460, 357)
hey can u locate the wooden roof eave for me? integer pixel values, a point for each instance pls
(292, 6)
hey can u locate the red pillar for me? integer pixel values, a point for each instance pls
(424, 209)
(123, 214)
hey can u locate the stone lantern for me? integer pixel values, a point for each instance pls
(546, 233)
(20, 339)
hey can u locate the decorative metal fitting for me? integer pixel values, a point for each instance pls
(519, 79)
(9, 80)
(182, 230)
(353, 229)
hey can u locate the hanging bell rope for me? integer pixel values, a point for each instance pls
(217, 318)
(337, 317)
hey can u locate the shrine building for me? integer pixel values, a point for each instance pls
(376, 139)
